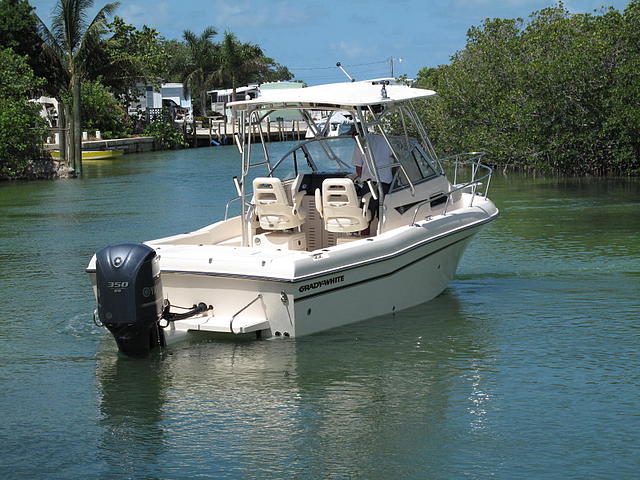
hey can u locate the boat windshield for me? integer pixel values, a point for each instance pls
(415, 162)
(325, 155)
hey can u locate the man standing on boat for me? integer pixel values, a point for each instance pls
(383, 158)
(381, 154)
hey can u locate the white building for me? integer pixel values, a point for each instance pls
(171, 95)
(220, 97)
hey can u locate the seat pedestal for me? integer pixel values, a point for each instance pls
(281, 240)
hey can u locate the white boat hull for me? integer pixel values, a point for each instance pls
(335, 287)
(414, 278)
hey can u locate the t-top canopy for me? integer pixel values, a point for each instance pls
(336, 95)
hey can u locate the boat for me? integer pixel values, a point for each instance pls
(331, 124)
(312, 247)
(92, 154)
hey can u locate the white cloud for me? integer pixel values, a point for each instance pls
(160, 16)
(249, 13)
(350, 50)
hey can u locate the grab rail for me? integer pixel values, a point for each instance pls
(226, 208)
(233, 317)
(474, 183)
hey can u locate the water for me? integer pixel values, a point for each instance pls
(526, 367)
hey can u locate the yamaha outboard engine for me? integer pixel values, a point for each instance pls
(130, 299)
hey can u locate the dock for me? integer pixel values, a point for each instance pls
(218, 132)
(222, 132)
(129, 145)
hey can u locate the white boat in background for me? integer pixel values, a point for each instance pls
(306, 253)
(331, 124)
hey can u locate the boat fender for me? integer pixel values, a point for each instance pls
(130, 297)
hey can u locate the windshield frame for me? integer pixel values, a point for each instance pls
(341, 166)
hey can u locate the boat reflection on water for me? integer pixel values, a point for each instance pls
(349, 395)
(132, 396)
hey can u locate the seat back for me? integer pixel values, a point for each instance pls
(274, 209)
(341, 210)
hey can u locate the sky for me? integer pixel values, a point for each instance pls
(309, 36)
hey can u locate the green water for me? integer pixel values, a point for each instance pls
(526, 367)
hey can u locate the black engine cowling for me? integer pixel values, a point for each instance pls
(130, 299)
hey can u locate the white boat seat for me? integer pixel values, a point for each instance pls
(339, 206)
(274, 209)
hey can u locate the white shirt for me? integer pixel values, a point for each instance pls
(382, 156)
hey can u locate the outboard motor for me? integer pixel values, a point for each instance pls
(130, 299)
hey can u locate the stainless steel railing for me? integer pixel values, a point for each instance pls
(226, 208)
(480, 177)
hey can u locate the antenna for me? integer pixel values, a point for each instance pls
(391, 60)
(339, 65)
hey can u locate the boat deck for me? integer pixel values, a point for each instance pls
(230, 260)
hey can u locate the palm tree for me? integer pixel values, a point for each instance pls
(69, 44)
(200, 72)
(239, 62)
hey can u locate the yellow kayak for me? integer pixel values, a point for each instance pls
(92, 154)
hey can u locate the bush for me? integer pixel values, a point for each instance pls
(166, 134)
(203, 120)
(101, 111)
(557, 93)
(22, 129)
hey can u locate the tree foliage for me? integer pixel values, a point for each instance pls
(22, 130)
(129, 56)
(101, 111)
(200, 64)
(109, 61)
(274, 72)
(203, 64)
(70, 44)
(177, 60)
(241, 63)
(559, 92)
(19, 31)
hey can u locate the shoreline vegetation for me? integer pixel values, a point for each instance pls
(557, 93)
